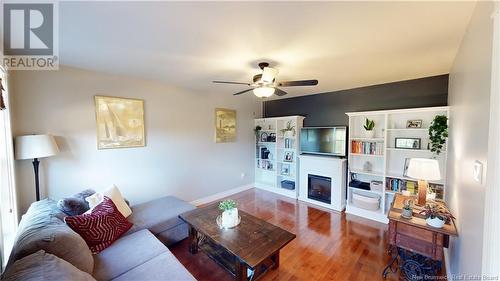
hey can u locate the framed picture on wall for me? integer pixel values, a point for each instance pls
(225, 125)
(120, 122)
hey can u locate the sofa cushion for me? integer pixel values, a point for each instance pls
(76, 204)
(126, 253)
(173, 235)
(158, 215)
(42, 229)
(44, 266)
(114, 193)
(162, 267)
(101, 227)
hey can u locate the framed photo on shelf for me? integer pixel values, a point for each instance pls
(405, 168)
(285, 170)
(263, 137)
(408, 143)
(414, 124)
(288, 156)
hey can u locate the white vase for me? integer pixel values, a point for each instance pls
(370, 134)
(435, 222)
(230, 217)
(288, 134)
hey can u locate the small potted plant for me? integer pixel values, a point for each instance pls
(436, 215)
(229, 216)
(407, 209)
(289, 130)
(369, 128)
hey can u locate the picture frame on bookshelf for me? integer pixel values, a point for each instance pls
(285, 170)
(405, 168)
(414, 124)
(288, 157)
(408, 143)
(263, 137)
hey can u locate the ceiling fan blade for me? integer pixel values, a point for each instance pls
(269, 74)
(229, 82)
(242, 92)
(279, 92)
(298, 83)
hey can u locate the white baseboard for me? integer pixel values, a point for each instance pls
(220, 195)
(447, 263)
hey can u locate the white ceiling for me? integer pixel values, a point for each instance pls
(342, 44)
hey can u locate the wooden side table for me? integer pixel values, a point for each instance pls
(414, 245)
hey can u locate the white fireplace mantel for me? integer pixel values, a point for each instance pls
(325, 166)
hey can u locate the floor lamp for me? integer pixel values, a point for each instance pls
(34, 147)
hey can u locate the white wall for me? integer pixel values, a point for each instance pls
(469, 99)
(180, 158)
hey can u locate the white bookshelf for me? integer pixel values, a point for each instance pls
(268, 172)
(388, 164)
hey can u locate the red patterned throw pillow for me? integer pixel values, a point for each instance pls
(101, 227)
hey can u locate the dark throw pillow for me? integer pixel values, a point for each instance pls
(101, 227)
(76, 204)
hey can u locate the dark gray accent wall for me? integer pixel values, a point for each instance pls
(329, 109)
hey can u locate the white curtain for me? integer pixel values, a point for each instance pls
(8, 201)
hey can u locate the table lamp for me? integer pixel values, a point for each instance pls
(423, 170)
(34, 147)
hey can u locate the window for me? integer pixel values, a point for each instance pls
(8, 206)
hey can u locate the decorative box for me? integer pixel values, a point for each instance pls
(286, 184)
(376, 185)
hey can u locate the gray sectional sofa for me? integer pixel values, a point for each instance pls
(47, 249)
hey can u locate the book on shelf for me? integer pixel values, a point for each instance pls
(367, 147)
(399, 185)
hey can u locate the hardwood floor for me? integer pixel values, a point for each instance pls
(328, 246)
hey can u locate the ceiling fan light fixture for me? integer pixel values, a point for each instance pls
(263, 92)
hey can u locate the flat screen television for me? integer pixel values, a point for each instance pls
(324, 140)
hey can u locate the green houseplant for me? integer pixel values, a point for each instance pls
(289, 130)
(229, 217)
(407, 209)
(438, 132)
(436, 215)
(369, 128)
(257, 131)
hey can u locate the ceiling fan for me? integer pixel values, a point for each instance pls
(265, 85)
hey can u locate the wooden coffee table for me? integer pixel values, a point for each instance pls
(247, 251)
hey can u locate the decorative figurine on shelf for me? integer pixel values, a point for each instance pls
(369, 128)
(368, 166)
(229, 217)
(436, 215)
(431, 195)
(407, 212)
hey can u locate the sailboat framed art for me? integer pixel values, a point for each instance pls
(120, 122)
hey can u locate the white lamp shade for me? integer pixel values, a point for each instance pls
(263, 92)
(35, 146)
(424, 169)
